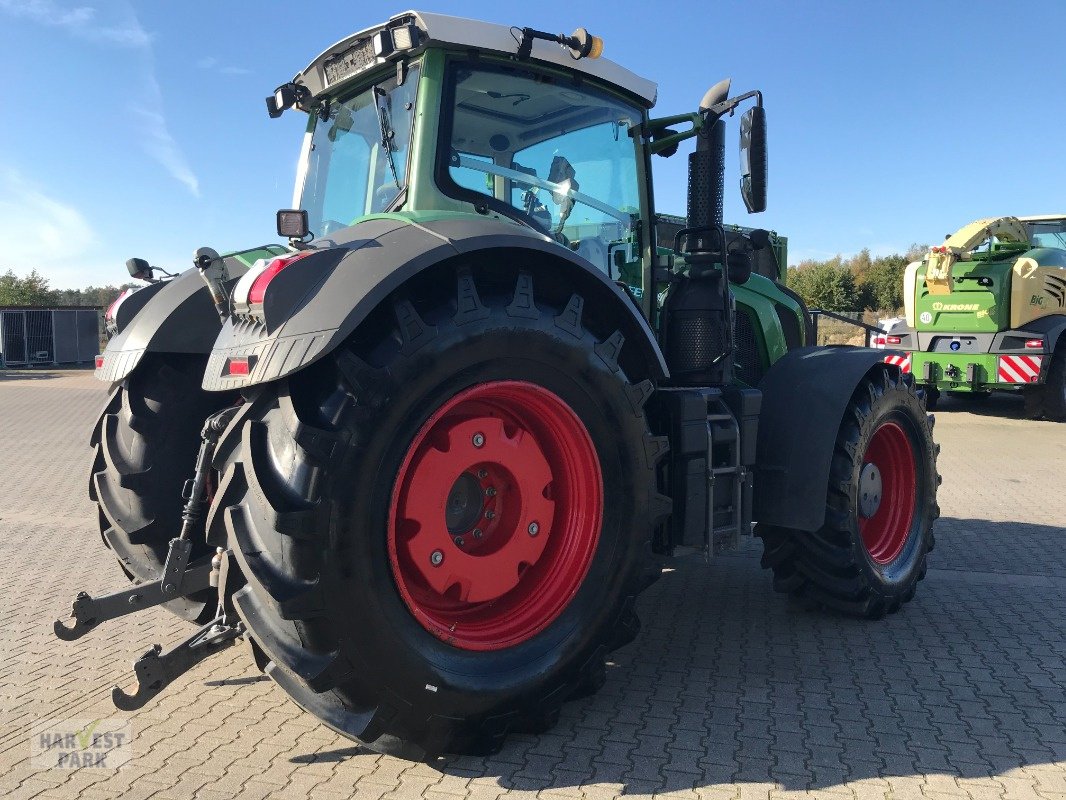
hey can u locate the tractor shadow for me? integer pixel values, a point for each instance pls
(729, 682)
(1002, 405)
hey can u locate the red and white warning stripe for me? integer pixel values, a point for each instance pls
(1019, 369)
(903, 362)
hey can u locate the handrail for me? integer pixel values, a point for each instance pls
(816, 312)
(556, 188)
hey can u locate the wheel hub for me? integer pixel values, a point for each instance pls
(464, 507)
(495, 515)
(869, 490)
(887, 492)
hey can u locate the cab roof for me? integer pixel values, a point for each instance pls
(441, 29)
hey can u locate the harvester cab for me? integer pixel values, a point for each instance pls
(986, 310)
(439, 444)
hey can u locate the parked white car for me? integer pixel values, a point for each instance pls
(883, 338)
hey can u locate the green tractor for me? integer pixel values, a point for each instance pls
(447, 436)
(986, 310)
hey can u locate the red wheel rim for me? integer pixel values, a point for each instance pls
(495, 515)
(885, 532)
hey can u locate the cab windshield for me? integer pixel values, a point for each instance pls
(547, 151)
(357, 162)
(1049, 233)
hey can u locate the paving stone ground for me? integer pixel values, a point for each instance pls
(729, 692)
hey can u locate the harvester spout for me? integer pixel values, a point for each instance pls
(960, 244)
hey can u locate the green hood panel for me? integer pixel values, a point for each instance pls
(971, 306)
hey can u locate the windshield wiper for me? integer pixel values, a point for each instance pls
(387, 133)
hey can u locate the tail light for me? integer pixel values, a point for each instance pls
(113, 308)
(238, 366)
(251, 289)
(893, 340)
(879, 341)
(259, 286)
(1034, 344)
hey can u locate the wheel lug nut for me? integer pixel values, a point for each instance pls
(478, 440)
(534, 529)
(491, 491)
(436, 558)
(483, 473)
(459, 541)
(477, 533)
(490, 514)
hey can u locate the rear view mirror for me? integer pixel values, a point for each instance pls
(753, 159)
(139, 269)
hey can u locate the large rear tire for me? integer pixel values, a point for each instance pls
(868, 556)
(145, 444)
(444, 525)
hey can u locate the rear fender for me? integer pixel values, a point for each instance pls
(134, 302)
(804, 398)
(178, 317)
(312, 307)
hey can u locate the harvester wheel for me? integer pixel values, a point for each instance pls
(1048, 400)
(443, 525)
(932, 397)
(145, 446)
(870, 553)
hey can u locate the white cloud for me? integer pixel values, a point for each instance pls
(38, 231)
(80, 21)
(155, 138)
(212, 63)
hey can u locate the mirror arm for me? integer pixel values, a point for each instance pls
(703, 117)
(671, 140)
(718, 110)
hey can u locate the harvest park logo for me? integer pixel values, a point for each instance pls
(83, 744)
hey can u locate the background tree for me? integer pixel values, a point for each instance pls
(29, 291)
(825, 284)
(33, 290)
(858, 283)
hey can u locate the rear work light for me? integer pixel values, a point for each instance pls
(1034, 344)
(259, 286)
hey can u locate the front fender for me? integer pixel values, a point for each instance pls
(804, 398)
(322, 299)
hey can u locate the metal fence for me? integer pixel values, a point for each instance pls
(30, 336)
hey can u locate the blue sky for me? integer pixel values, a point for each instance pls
(138, 129)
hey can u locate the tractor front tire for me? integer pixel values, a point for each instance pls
(145, 444)
(868, 556)
(443, 526)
